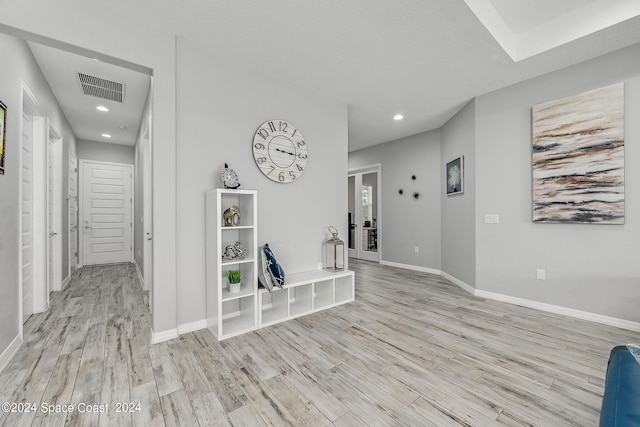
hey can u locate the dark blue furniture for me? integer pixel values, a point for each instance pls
(621, 400)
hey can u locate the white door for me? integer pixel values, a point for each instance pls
(147, 208)
(27, 217)
(106, 207)
(54, 212)
(73, 213)
(364, 214)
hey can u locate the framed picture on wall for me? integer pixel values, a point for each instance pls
(455, 176)
(3, 135)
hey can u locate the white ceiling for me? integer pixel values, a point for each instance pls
(422, 58)
(122, 121)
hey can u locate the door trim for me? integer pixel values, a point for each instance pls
(377, 168)
(81, 163)
(54, 148)
(30, 106)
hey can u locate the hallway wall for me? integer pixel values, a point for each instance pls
(23, 68)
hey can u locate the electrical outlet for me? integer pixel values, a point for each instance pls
(541, 274)
(491, 219)
(416, 249)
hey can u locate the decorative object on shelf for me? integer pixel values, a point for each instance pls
(3, 135)
(234, 252)
(231, 216)
(270, 273)
(234, 277)
(334, 251)
(229, 177)
(578, 158)
(454, 176)
(416, 195)
(280, 151)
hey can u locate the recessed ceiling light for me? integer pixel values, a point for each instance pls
(398, 117)
(102, 108)
(106, 135)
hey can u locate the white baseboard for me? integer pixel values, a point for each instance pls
(193, 326)
(163, 336)
(139, 274)
(9, 352)
(571, 312)
(550, 308)
(411, 267)
(65, 282)
(459, 283)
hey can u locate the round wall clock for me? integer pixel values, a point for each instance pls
(280, 151)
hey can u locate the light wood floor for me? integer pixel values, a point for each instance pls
(420, 352)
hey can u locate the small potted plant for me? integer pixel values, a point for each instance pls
(234, 277)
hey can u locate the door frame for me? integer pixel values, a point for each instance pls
(30, 106)
(82, 163)
(54, 154)
(147, 208)
(357, 172)
(73, 256)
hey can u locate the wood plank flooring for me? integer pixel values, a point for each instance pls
(420, 352)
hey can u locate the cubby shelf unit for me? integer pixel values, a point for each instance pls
(230, 314)
(305, 293)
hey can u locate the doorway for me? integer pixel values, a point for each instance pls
(54, 208)
(106, 207)
(365, 225)
(33, 207)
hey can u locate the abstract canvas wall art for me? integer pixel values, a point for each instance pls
(578, 158)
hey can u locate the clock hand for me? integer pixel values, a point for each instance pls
(286, 152)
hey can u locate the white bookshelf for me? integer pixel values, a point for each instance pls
(230, 314)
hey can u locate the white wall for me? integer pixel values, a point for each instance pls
(105, 152)
(459, 210)
(407, 222)
(73, 24)
(592, 268)
(220, 107)
(23, 68)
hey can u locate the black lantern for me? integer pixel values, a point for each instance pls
(334, 252)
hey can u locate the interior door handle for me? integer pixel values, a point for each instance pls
(87, 227)
(53, 233)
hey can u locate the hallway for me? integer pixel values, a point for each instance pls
(88, 347)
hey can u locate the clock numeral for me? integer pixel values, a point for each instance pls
(292, 175)
(272, 127)
(259, 145)
(302, 156)
(281, 177)
(272, 169)
(263, 133)
(301, 143)
(261, 160)
(294, 132)
(300, 168)
(283, 127)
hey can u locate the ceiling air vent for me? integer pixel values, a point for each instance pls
(101, 88)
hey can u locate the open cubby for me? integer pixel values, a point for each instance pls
(300, 299)
(274, 306)
(323, 294)
(344, 289)
(238, 315)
